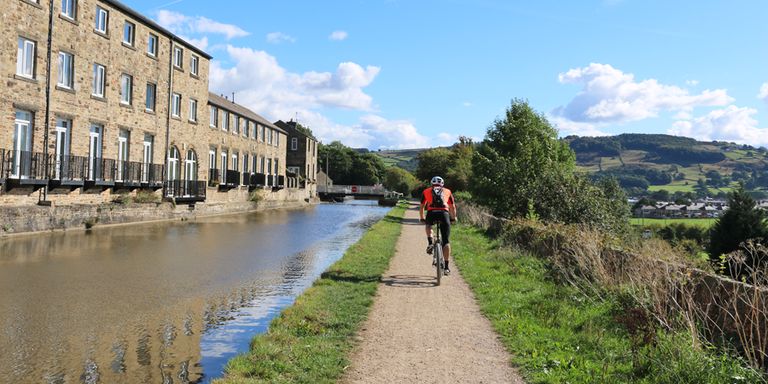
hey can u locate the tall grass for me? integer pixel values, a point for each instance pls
(661, 290)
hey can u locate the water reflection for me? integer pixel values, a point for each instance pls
(159, 302)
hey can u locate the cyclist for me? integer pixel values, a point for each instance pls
(440, 206)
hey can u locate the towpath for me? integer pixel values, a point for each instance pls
(418, 332)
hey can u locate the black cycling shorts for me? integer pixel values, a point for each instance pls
(445, 224)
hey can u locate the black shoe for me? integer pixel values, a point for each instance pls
(447, 271)
(430, 248)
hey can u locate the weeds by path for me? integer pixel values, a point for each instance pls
(557, 335)
(310, 341)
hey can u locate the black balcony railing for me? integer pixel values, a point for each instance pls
(281, 181)
(152, 175)
(213, 177)
(231, 179)
(25, 168)
(3, 174)
(67, 170)
(129, 174)
(184, 190)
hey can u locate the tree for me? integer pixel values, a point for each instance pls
(517, 151)
(741, 222)
(454, 164)
(433, 162)
(400, 180)
(346, 166)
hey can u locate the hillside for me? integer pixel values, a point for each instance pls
(403, 158)
(672, 163)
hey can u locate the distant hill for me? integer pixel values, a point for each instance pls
(674, 163)
(403, 158)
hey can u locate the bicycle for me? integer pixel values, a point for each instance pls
(437, 253)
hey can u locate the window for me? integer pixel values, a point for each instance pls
(150, 97)
(225, 120)
(25, 59)
(211, 164)
(102, 19)
(294, 144)
(62, 160)
(126, 89)
(235, 163)
(214, 118)
(261, 134)
(66, 70)
(178, 57)
(176, 105)
(247, 130)
(128, 32)
(152, 45)
(99, 76)
(277, 138)
(192, 110)
(69, 8)
(269, 137)
(190, 166)
(123, 141)
(235, 124)
(22, 142)
(193, 64)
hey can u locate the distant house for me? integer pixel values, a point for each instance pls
(301, 157)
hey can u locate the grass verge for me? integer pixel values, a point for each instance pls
(310, 341)
(556, 335)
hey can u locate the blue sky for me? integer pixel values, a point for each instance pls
(414, 74)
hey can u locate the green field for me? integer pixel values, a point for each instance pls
(705, 223)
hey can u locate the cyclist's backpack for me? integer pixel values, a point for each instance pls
(437, 198)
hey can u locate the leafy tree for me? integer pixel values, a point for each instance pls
(346, 166)
(433, 162)
(741, 222)
(400, 180)
(517, 151)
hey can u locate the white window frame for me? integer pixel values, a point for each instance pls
(213, 119)
(294, 144)
(235, 124)
(178, 57)
(176, 105)
(225, 120)
(25, 59)
(150, 96)
(66, 70)
(99, 80)
(102, 20)
(192, 110)
(69, 9)
(126, 89)
(152, 42)
(194, 63)
(129, 33)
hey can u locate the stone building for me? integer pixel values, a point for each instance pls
(244, 149)
(301, 157)
(94, 113)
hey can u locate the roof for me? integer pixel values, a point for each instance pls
(231, 106)
(291, 125)
(154, 25)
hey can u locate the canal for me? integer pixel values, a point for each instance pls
(160, 302)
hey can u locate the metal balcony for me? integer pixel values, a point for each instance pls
(185, 191)
(67, 171)
(24, 169)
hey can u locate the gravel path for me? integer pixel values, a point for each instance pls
(418, 332)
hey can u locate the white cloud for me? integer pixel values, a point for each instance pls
(728, 124)
(612, 96)
(692, 83)
(763, 95)
(279, 38)
(394, 134)
(181, 24)
(467, 104)
(338, 35)
(567, 127)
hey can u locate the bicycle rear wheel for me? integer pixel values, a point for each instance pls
(439, 262)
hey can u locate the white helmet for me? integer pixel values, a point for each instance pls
(437, 180)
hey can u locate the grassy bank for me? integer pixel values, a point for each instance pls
(309, 342)
(557, 335)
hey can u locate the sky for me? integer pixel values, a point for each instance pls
(400, 74)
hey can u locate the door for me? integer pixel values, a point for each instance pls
(147, 160)
(190, 172)
(123, 141)
(22, 145)
(63, 162)
(94, 153)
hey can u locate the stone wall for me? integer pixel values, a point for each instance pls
(19, 220)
